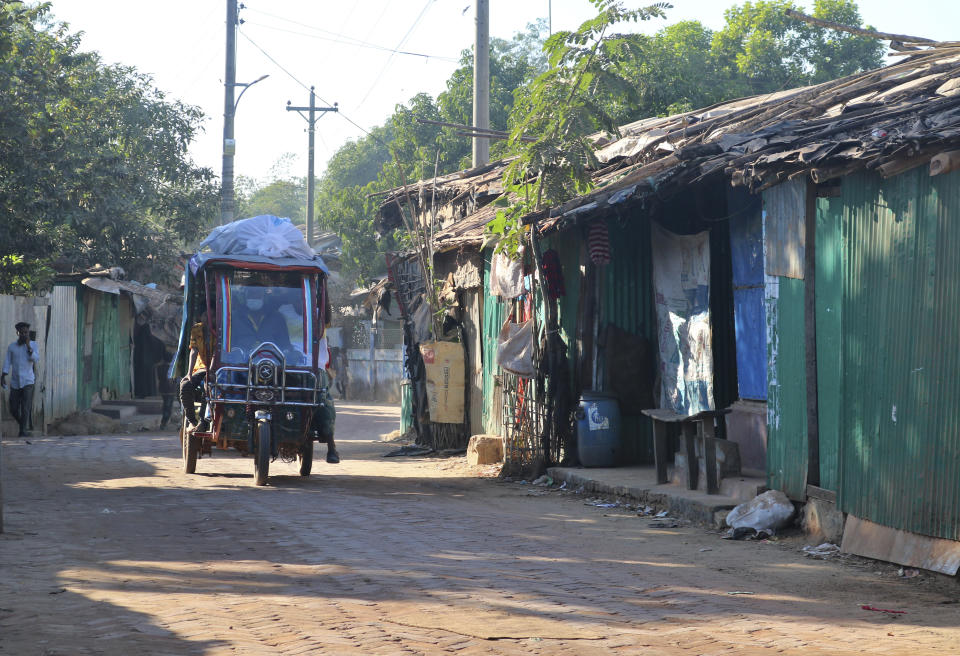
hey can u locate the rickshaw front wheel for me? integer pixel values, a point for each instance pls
(261, 465)
(306, 458)
(190, 446)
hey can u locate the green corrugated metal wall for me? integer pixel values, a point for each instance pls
(105, 366)
(829, 300)
(567, 246)
(628, 304)
(787, 390)
(493, 314)
(900, 456)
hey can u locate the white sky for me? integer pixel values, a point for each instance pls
(181, 44)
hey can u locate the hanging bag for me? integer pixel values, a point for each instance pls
(515, 348)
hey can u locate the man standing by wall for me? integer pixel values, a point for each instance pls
(18, 364)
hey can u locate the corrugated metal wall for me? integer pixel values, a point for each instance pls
(627, 303)
(61, 354)
(829, 282)
(900, 454)
(103, 347)
(787, 388)
(787, 448)
(493, 315)
(746, 248)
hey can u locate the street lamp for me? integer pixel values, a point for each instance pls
(247, 85)
(230, 147)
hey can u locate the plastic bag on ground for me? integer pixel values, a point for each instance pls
(265, 235)
(771, 510)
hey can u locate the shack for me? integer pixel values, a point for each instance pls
(809, 234)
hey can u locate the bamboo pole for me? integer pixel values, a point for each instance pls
(859, 31)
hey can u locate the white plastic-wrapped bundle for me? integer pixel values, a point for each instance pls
(265, 235)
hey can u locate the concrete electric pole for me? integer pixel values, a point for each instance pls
(311, 119)
(481, 83)
(229, 145)
(229, 112)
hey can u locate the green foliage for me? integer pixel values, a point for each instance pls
(586, 66)
(286, 198)
(366, 166)
(598, 81)
(93, 164)
(765, 50)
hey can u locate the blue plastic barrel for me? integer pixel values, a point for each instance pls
(598, 430)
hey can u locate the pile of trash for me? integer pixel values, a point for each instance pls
(761, 517)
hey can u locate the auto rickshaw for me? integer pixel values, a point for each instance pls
(266, 386)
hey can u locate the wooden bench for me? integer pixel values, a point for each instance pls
(692, 428)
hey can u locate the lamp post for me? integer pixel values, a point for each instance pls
(230, 146)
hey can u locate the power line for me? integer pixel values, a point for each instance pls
(390, 58)
(295, 79)
(356, 43)
(276, 63)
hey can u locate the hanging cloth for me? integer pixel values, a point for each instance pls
(598, 242)
(553, 274)
(506, 276)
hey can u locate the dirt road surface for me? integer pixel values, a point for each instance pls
(111, 549)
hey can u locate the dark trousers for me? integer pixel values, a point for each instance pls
(188, 395)
(167, 409)
(21, 406)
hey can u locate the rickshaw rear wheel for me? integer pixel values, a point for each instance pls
(306, 458)
(189, 444)
(261, 464)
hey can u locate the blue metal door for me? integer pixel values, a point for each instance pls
(746, 252)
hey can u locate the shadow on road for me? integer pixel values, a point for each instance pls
(108, 527)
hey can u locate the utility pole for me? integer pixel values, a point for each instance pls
(229, 144)
(481, 83)
(311, 119)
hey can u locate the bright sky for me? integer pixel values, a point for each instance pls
(342, 49)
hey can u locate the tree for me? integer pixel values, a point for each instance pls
(93, 163)
(367, 165)
(285, 198)
(764, 50)
(562, 108)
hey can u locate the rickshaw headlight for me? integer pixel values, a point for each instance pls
(231, 412)
(264, 395)
(266, 371)
(289, 416)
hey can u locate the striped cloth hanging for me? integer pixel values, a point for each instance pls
(598, 242)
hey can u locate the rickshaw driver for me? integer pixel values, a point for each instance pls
(197, 371)
(258, 323)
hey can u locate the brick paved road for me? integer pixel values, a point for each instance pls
(111, 550)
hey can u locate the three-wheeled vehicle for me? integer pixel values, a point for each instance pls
(265, 390)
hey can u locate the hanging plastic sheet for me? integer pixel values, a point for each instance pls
(681, 279)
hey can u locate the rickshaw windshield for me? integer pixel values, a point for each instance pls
(265, 306)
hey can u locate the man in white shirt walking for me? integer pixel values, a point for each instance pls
(21, 355)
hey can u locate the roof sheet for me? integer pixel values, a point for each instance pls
(889, 119)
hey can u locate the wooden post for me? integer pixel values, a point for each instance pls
(661, 447)
(709, 450)
(690, 445)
